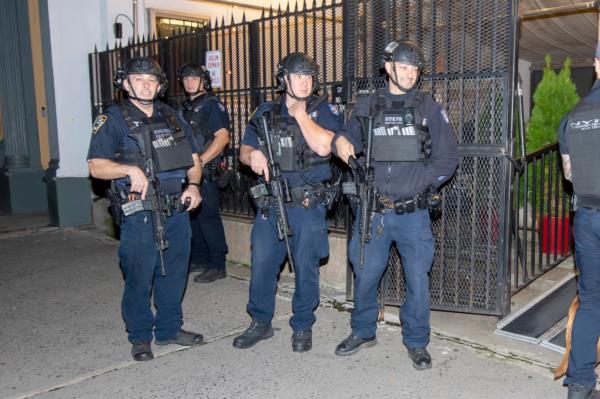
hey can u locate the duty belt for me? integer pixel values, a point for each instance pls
(168, 202)
(586, 201)
(405, 205)
(306, 196)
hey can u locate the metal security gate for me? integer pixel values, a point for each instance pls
(470, 49)
(251, 51)
(470, 53)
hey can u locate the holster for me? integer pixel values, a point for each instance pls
(210, 173)
(116, 201)
(434, 203)
(311, 197)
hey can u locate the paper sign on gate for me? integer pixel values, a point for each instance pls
(214, 64)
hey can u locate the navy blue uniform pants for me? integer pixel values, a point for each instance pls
(140, 262)
(209, 246)
(586, 326)
(308, 245)
(411, 233)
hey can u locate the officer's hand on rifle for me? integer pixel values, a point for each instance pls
(259, 164)
(344, 148)
(139, 182)
(191, 193)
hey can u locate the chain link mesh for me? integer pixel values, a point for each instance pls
(468, 67)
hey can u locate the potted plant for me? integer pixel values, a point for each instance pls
(554, 97)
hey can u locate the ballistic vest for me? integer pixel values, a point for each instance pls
(171, 152)
(191, 113)
(583, 140)
(400, 133)
(290, 149)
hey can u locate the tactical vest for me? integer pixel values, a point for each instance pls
(583, 139)
(171, 152)
(290, 149)
(400, 133)
(191, 113)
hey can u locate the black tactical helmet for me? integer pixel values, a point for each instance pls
(404, 51)
(141, 65)
(299, 63)
(197, 70)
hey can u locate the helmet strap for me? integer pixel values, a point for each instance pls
(394, 78)
(199, 90)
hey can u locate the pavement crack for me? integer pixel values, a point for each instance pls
(124, 365)
(510, 356)
(345, 306)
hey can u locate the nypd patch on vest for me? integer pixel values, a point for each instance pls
(585, 125)
(334, 110)
(98, 122)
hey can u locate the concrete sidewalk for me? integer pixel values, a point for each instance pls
(62, 336)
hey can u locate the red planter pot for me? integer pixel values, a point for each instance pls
(555, 234)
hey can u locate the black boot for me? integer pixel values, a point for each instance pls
(257, 331)
(183, 338)
(141, 351)
(302, 341)
(210, 275)
(420, 358)
(198, 267)
(353, 344)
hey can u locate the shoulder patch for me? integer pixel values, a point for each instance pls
(334, 110)
(98, 122)
(221, 107)
(445, 116)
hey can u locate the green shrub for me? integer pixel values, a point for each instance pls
(554, 97)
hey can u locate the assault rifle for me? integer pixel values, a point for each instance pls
(365, 190)
(145, 140)
(281, 193)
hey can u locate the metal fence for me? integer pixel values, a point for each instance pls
(471, 54)
(251, 50)
(540, 226)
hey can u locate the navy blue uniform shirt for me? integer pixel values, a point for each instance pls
(325, 116)
(594, 96)
(405, 179)
(110, 129)
(212, 115)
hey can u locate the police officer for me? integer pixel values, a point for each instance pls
(301, 128)
(119, 152)
(209, 119)
(579, 139)
(413, 153)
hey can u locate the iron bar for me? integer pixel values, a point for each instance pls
(561, 10)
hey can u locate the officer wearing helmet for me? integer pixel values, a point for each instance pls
(579, 140)
(119, 151)
(413, 153)
(301, 128)
(210, 120)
